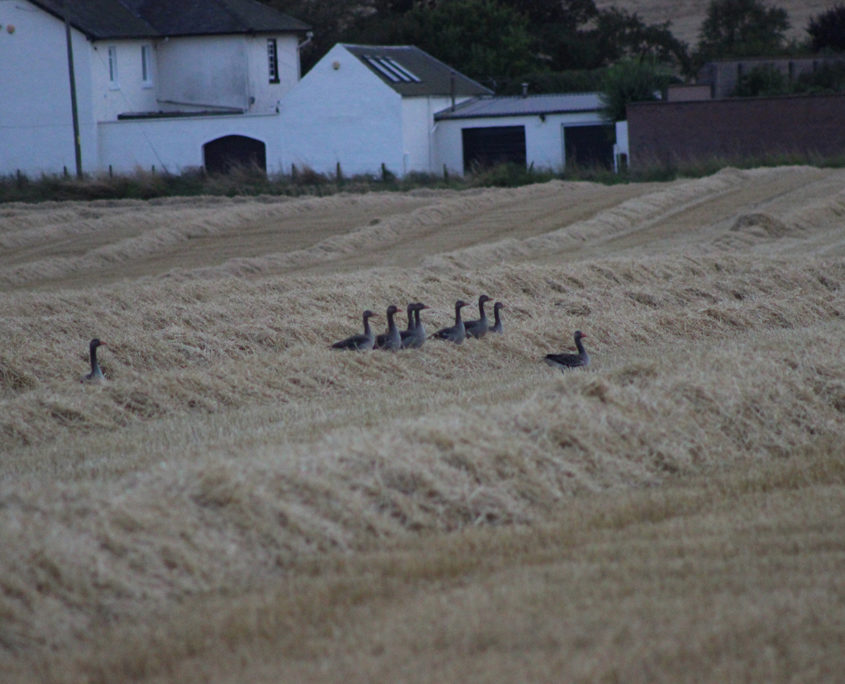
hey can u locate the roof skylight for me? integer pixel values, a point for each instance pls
(391, 69)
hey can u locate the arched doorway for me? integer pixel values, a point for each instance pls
(222, 154)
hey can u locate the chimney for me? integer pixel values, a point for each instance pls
(524, 89)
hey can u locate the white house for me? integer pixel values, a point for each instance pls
(543, 131)
(368, 107)
(174, 86)
(158, 83)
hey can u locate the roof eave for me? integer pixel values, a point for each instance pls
(446, 115)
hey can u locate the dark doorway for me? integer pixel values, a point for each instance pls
(588, 145)
(493, 145)
(222, 154)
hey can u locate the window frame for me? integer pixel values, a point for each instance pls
(114, 82)
(147, 65)
(273, 60)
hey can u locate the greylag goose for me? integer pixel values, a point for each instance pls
(479, 327)
(414, 337)
(564, 361)
(361, 342)
(497, 321)
(392, 339)
(457, 332)
(96, 374)
(411, 322)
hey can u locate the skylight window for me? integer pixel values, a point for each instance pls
(391, 69)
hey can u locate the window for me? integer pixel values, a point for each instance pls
(113, 67)
(146, 65)
(273, 60)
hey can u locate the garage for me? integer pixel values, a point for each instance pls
(489, 146)
(549, 132)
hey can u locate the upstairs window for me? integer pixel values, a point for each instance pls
(273, 60)
(146, 65)
(113, 83)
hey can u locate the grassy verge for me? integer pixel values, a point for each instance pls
(306, 182)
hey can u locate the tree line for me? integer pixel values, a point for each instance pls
(555, 45)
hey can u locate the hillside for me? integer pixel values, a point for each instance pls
(240, 502)
(687, 15)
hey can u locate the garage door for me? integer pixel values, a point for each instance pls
(493, 145)
(588, 146)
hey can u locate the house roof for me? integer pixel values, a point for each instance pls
(111, 19)
(556, 103)
(411, 71)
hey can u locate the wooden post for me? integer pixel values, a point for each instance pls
(77, 146)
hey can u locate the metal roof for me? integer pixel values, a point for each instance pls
(411, 71)
(112, 19)
(555, 103)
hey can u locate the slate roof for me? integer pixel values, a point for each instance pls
(418, 73)
(113, 19)
(555, 103)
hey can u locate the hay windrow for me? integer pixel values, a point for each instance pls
(231, 444)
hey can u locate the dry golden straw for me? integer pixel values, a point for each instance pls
(240, 502)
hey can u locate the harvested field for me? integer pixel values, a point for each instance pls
(686, 16)
(239, 502)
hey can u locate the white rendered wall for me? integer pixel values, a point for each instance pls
(36, 125)
(340, 112)
(129, 93)
(418, 132)
(175, 145)
(267, 95)
(203, 72)
(543, 138)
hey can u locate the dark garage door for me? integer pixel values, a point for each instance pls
(588, 145)
(493, 145)
(234, 150)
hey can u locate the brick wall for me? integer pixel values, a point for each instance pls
(678, 132)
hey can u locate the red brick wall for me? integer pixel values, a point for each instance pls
(678, 132)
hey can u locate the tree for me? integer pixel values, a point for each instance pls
(331, 22)
(483, 39)
(631, 80)
(620, 34)
(740, 28)
(827, 30)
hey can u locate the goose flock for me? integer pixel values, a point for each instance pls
(413, 337)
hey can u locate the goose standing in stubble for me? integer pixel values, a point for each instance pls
(478, 328)
(359, 342)
(566, 361)
(457, 332)
(96, 374)
(392, 339)
(497, 326)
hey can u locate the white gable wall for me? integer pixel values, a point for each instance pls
(36, 125)
(544, 145)
(340, 112)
